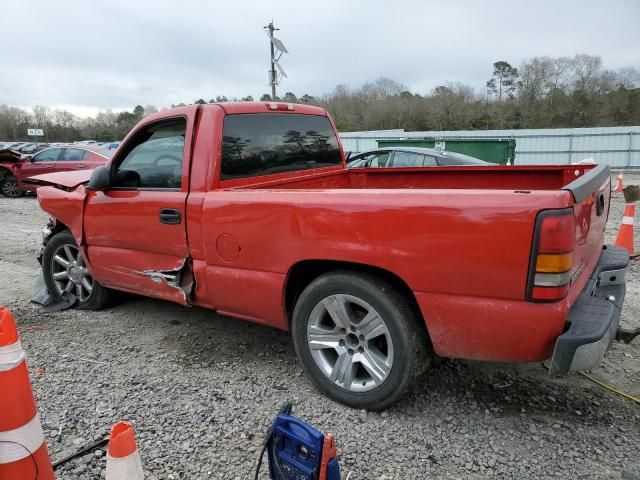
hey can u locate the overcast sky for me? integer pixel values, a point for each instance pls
(86, 55)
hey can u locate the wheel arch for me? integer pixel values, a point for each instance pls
(57, 227)
(301, 274)
(5, 172)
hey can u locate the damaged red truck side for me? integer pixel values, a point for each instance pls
(248, 209)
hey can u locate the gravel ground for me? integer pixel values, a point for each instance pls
(201, 389)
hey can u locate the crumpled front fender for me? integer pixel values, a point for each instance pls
(66, 207)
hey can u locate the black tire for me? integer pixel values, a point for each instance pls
(99, 296)
(411, 348)
(10, 188)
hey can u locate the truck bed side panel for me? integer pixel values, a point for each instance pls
(493, 329)
(466, 243)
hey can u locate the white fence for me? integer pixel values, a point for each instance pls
(617, 146)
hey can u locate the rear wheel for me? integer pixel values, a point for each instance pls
(65, 272)
(358, 339)
(10, 187)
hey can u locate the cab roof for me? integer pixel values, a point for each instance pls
(232, 108)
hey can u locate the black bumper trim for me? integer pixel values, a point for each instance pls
(594, 317)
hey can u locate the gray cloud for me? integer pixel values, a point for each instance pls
(120, 53)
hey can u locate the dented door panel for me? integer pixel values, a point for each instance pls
(152, 274)
(129, 246)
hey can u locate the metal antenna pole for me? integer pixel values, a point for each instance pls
(273, 66)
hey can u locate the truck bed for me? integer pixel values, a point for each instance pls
(525, 178)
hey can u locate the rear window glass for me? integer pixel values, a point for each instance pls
(267, 143)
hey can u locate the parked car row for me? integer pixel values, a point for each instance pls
(31, 148)
(23, 147)
(15, 167)
(21, 160)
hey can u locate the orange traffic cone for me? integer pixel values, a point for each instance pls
(123, 459)
(625, 235)
(619, 185)
(23, 452)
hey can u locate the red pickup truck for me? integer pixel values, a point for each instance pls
(248, 209)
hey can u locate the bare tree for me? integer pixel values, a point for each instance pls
(586, 69)
(628, 78)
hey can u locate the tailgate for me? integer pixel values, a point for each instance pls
(592, 194)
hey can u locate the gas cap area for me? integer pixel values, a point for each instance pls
(228, 247)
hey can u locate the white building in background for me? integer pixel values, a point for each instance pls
(617, 146)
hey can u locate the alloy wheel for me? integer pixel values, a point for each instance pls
(350, 343)
(70, 275)
(10, 189)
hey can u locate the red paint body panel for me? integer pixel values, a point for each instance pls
(482, 328)
(459, 237)
(442, 249)
(66, 207)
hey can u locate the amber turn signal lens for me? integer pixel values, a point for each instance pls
(554, 263)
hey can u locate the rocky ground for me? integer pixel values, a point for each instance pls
(201, 389)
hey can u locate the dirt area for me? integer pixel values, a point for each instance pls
(202, 388)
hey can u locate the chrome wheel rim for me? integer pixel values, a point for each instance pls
(350, 343)
(69, 273)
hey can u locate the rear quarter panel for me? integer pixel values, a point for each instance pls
(451, 247)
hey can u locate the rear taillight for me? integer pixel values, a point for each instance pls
(551, 256)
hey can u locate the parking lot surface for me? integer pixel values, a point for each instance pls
(201, 389)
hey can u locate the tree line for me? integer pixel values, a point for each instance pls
(543, 92)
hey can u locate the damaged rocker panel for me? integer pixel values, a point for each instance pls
(181, 279)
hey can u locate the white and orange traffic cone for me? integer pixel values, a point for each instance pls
(625, 235)
(23, 452)
(123, 459)
(620, 184)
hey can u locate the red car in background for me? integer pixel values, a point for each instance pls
(13, 169)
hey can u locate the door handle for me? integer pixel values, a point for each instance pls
(170, 216)
(82, 165)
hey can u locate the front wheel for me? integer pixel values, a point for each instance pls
(359, 339)
(65, 272)
(10, 187)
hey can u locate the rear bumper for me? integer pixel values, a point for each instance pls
(594, 317)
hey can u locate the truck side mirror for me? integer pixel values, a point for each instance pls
(100, 179)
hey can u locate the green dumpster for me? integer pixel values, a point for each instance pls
(495, 150)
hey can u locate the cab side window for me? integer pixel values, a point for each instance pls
(430, 161)
(49, 155)
(407, 159)
(379, 160)
(153, 158)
